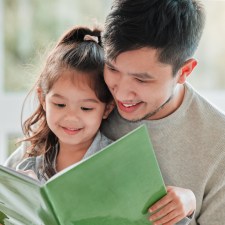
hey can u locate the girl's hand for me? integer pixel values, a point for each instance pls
(173, 207)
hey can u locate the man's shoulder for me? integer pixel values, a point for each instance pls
(201, 107)
(115, 126)
(208, 112)
(207, 123)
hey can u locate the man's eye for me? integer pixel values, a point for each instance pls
(86, 109)
(140, 81)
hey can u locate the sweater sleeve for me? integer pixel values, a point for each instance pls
(185, 221)
(213, 205)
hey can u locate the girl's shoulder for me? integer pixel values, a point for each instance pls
(31, 163)
(17, 156)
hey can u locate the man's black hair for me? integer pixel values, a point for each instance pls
(174, 27)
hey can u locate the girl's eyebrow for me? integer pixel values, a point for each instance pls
(90, 100)
(57, 96)
(82, 100)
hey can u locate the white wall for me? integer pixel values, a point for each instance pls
(9, 119)
(10, 104)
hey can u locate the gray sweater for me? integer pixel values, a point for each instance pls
(190, 148)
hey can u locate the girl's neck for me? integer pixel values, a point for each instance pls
(68, 156)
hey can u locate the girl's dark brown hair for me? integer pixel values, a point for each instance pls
(71, 52)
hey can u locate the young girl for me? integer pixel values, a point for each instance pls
(73, 100)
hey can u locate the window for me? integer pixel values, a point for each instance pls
(28, 28)
(27, 31)
(208, 77)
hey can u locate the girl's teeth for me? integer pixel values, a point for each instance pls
(72, 129)
(129, 105)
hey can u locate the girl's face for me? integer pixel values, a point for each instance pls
(73, 111)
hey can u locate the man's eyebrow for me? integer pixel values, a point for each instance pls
(144, 75)
(109, 64)
(140, 75)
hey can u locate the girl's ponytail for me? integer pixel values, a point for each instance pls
(80, 34)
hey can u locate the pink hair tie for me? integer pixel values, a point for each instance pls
(88, 37)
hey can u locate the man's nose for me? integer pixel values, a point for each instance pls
(123, 90)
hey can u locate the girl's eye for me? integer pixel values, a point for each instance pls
(60, 105)
(86, 109)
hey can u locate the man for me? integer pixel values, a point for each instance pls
(149, 45)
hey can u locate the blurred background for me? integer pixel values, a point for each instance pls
(28, 29)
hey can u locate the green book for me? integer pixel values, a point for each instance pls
(115, 186)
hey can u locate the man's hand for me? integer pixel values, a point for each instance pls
(173, 207)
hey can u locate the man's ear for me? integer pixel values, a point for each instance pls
(108, 109)
(41, 97)
(186, 70)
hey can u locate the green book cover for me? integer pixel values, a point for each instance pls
(115, 186)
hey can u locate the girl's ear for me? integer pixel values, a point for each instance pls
(41, 97)
(185, 70)
(108, 109)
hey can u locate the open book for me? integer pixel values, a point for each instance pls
(115, 186)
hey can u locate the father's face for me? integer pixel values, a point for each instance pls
(143, 88)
